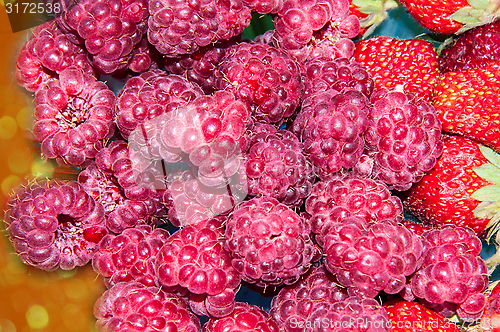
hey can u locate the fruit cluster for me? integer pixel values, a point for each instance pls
(285, 162)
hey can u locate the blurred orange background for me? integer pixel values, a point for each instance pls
(30, 299)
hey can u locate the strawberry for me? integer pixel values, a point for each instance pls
(411, 63)
(370, 13)
(490, 321)
(462, 189)
(467, 103)
(451, 16)
(416, 227)
(414, 317)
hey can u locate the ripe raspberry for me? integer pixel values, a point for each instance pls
(130, 256)
(452, 274)
(194, 263)
(262, 76)
(54, 224)
(200, 66)
(72, 115)
(149, 95)
(371, 257)
(110, 29)
(345, 196)
(182, 27)
(276, 166)
(269, 242)
(121, 212)
(131, 306)
(144, 57)
(190, 201)
(245, 317)
(310, 299)
(296, 21)
(331, 125)
(403, 138)
(322, 74)
(145, 184)
(47, 52)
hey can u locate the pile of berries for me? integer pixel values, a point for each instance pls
(283, 163)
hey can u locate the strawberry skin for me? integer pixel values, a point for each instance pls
(467, 104)
(411, 63)
(443, 196)
(414, 317)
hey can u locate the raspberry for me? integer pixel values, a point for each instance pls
(371, 257)
(331, 125)
(296, 21)
(191, 201)
(54, 224)
(110, 29)
(121, 212)
(276, 166)
(403, 138)
(262, 76)
(269, 242)
(416, 227)
(193, 261)
(130, 256)
(149, 95)
(131, 306)
(308, 300)
(72, 115)
(47, 52)
(200, 66)
(452, 274)
(144, 57)
(182, 27)
(322, 74)
(245, 317)
(264, 6)
(345, 196)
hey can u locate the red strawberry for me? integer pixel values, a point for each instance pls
(414, 317)
(462, 188)
(370, 13)
(450, 16)
(411, 63)
(490, 321)
(467, 103)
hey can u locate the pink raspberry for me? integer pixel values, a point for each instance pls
(296, 21)
(264, 77)
(121, 212)
(371, 257)
(276, 166)
(149, 95)
(193, 262)
(452, 274)
(344, 196)
(47, 52)
(54, 224)
(131, 307)
(322, 74)
(310, 299)
(403, 138)
(130, 256)
(332, 126)
(73, 114)
(269, 243)
(244, 318)
(144, 57)
(182, 27)
(110, 29)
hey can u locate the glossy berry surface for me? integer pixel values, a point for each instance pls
(371, 257)
(130, 256)
(276, 166)
(131, 306)
(264, 77)
(73, 114)
(54, 224)
(244, 318)
(269, 243)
